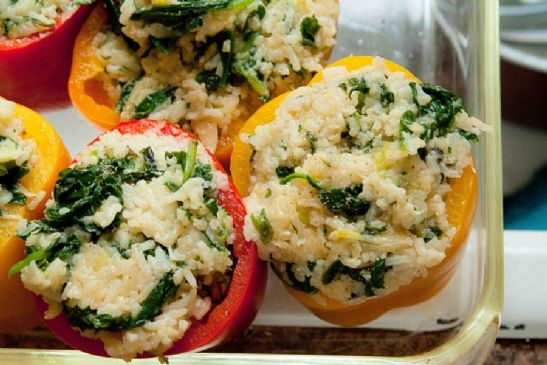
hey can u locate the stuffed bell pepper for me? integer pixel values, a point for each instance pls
(36, 40)
(31, 156)
(205, 65)
(360, 188)
(141, 250)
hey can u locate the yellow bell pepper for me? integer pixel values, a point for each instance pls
(460, 206)
(17, 309)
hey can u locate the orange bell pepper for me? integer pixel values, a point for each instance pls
(460, 207)
(17, 307)
(86, 90)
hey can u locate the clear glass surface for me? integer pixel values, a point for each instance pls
(450, 42)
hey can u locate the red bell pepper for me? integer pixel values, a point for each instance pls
(236, 311)
(34, 70)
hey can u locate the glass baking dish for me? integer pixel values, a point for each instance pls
(450, 42)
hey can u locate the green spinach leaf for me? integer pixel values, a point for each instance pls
(263, 226)
(152, 101)
(309, 28)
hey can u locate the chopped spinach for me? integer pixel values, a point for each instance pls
(339, 201)
(407, 119)
(152, 101)
(303, 72)
(191, 157)
(284, 171)
(164, 45)
(17, 197)
(172, 186)
(185, 14)
(287, 275)
(212, 205)
(470, 136)
(212, 242)
(80, 191)
(127, 89)
(374, 228)
(216, 79)
(431, 232)
(372, 277)
(88, 319)
(312, 139)
(443, 107)
(209, 78)
(190, 165)
(64, 248)
(203, 171)
(35, 227)
(358, 85)
(246, 69)
(263, 226)
(309, 28)
(386, 97)
(113, 10)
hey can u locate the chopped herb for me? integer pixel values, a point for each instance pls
(152, 101)
(263, 226)
(309, 28)
(268, 193)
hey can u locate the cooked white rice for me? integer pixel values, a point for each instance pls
(21, 18)
(159, 227)
(274, 58)
(343, 138)
(15, 153)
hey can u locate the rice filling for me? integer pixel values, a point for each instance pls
(213, 63)
(17, 155)
(348, 181)
(134, 244)
(22, 18)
